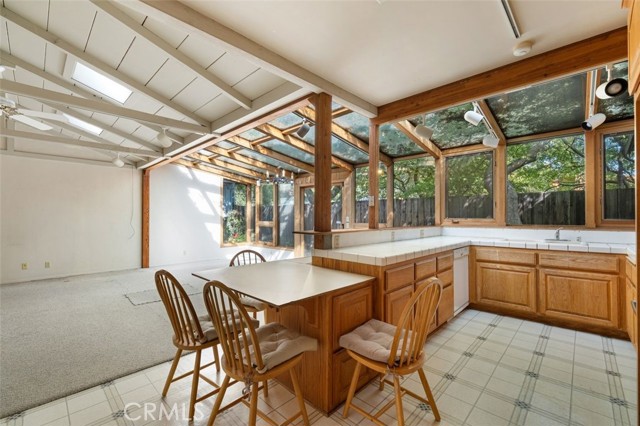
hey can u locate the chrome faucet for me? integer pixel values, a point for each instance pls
(558, 233)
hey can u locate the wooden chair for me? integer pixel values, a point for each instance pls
(253, 355)
(190, 333)
(249, 257)
(397, 351)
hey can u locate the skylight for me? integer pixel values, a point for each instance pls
(100, 83)
(83, 125)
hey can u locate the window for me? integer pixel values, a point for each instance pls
(414, 192)
(618, 176)
(362, 194)
(234, 207)
(100, 83)
(286, 213)
(450, 129)
(545, 182)
(469, 186)
(265, 214)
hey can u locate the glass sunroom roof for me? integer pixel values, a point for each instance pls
(286, 121)
(289, 150)
(340, 148)
(266, 159)
(252, 135)
(450, 129)
(620, 107)
(545, 107)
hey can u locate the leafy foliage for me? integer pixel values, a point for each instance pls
(414, 179)
(450, 129)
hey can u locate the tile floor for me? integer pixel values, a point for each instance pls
(484, 369)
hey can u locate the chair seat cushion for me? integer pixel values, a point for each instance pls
(209, 330)
(372, 339)
(279, 344)
(250, 302)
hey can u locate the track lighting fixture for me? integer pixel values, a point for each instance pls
(473, 117)
(303, 129)
(118, 162)
(612, 87)
(593, 121)
(423, 131)
(491, 140)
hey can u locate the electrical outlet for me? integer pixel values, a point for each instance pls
(336, 241)
(393, 235)
(422, 233)
(47, 264)
(24, 266)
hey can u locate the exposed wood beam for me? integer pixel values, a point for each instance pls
(228, 166)
(99, 65)
(374, 190)
(410, 131)
(300, 144)
(132, 24)
(209, 169)
(322, 179)
(243, 159)
(285, 159)
(38, 137)
(98, 106)
(228, 135)
(574, 58)
(486, 111)
(146, 178)
(6, 57)
(310, 114)
(547, 135)
(183, 16)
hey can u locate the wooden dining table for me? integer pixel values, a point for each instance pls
(317, 302)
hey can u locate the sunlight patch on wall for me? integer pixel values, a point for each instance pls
(200, 201)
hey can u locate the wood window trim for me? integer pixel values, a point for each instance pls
(248, 189)
(597, 141)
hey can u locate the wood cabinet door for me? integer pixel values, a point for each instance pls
(585, 297)
(342, 370)
(507, 286)
(445, 309)
(398, 277)
(351, 310)
(630, 317)
(394, 303)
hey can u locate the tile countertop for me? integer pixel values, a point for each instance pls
(388, 253)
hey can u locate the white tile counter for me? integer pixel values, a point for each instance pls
(387, 253)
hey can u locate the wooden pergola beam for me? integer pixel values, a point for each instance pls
(351, 139)
(243, 159)
(209, 169)
(410, 131)
(574, 58)
(295, 142)
(227, 166)
(486, 111)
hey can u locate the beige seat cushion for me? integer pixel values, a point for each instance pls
(209, 330)
(279, 344)
(372, 339)
(250, 302)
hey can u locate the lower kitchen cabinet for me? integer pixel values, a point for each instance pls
(586, 297)
(508, 286)
(631, 313)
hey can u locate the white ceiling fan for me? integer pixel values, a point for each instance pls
(24, 116)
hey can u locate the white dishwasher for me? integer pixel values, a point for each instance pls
(460, 279)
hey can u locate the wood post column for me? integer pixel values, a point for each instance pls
(374, 180)
(146, 173)
(322, 178)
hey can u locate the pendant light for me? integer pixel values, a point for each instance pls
(117, 161)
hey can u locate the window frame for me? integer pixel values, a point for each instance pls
(248, 214)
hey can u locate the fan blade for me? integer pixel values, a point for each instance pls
(31, 122)
(6, 102)
(44, 115)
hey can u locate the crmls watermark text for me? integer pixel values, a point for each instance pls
(159, 411)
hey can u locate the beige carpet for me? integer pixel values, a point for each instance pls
(60, 336)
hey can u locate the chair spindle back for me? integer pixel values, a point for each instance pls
(246, 257)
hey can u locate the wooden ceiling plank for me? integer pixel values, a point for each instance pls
(109, 8)
(49, 138)
(351, 139)
(99, 65)
(189, 19)
(205, 168)
(571, 59)
(410, 131)
(12, 60)
(99, 106)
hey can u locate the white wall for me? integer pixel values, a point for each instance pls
(81, 218)
(185, 218)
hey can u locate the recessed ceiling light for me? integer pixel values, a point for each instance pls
(100, 83)
(83, 125)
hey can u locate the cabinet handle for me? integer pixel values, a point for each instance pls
(634, 306)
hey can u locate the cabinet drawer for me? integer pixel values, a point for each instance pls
(522, 257)
(445, 262)
(351, 310)
(585, 262)
(398, 277)
(446, 277)
(426, 268)
(445, 309)
(631, 272)
(586, 297)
